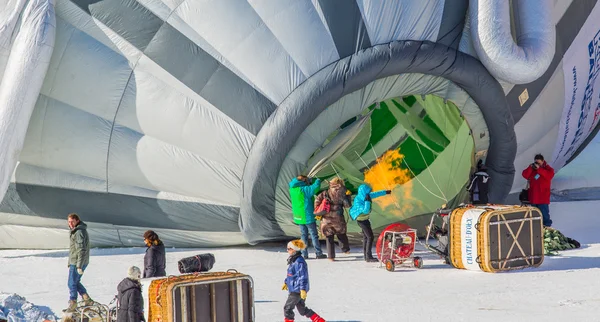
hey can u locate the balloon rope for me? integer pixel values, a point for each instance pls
(431, 174)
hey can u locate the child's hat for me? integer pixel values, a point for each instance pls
(296, 245)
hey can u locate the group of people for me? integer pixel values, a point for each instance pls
(539, 176)
(328, 207)
(129, 291)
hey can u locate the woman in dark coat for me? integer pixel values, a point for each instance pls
(155, 259)
(131, 303)
(333, 223)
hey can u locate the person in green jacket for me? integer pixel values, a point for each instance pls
(79, 258)
(302, 192)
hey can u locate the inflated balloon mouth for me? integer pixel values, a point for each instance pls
(380, 96)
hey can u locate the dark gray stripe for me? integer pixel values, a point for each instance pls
(128, 18)
(183, 59)
(346, 25)
(118, 209)
(453, 21)
(566, 30)
(176, 54)
(198, 70)
(311, 98)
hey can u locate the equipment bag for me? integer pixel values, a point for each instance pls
(198, 263)
(524, 195)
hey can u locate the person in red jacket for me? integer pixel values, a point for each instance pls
(540, 174)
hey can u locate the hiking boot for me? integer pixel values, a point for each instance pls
(87, 301)
(371, 260)
(316, 318)
(322, 256)
(72, 306)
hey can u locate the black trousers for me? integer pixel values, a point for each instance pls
(368, 237)
(345, 244)
(294, 301)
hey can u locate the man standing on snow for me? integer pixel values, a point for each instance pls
(539, 174)
(302, 193)
(79, 258)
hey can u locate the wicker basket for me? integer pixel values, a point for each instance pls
(172, 297)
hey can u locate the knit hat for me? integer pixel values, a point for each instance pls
(296, 245)
(134, 273)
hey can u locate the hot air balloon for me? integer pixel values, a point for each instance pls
(190, 117)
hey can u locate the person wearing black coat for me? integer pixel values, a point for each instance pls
(155, 259)
(131, 303)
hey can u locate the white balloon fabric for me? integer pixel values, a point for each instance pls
(190, 117)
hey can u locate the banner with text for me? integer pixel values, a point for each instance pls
(581, 66)
(468, 235)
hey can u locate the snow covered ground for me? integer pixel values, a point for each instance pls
(565, 287)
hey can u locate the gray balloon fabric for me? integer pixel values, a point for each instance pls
(189, 117)
(337, 145)
(303, 105)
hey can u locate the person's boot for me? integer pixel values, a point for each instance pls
(87, 300)
(322, 256)
(316, 318)
(288, 320)
(72, 306)
(369, 253)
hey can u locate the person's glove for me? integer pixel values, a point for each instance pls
(79, 271)
(303, 294)
(284, 287)
(318, 217)
(387, 192)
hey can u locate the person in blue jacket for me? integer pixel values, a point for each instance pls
(297, 284)
(360, 210)
(302, 194)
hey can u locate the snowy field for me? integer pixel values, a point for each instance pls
(565, 287)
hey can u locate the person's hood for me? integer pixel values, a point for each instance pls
(334, 185)
(295, 183)
(364, 189)
(81, 226)
(127, 284)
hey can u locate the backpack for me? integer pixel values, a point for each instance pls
(324, 207)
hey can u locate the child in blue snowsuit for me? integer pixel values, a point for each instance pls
(360, 210)
(297, 284)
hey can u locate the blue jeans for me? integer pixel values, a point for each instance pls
(545, 210)
(314, 236)
(74, 283)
